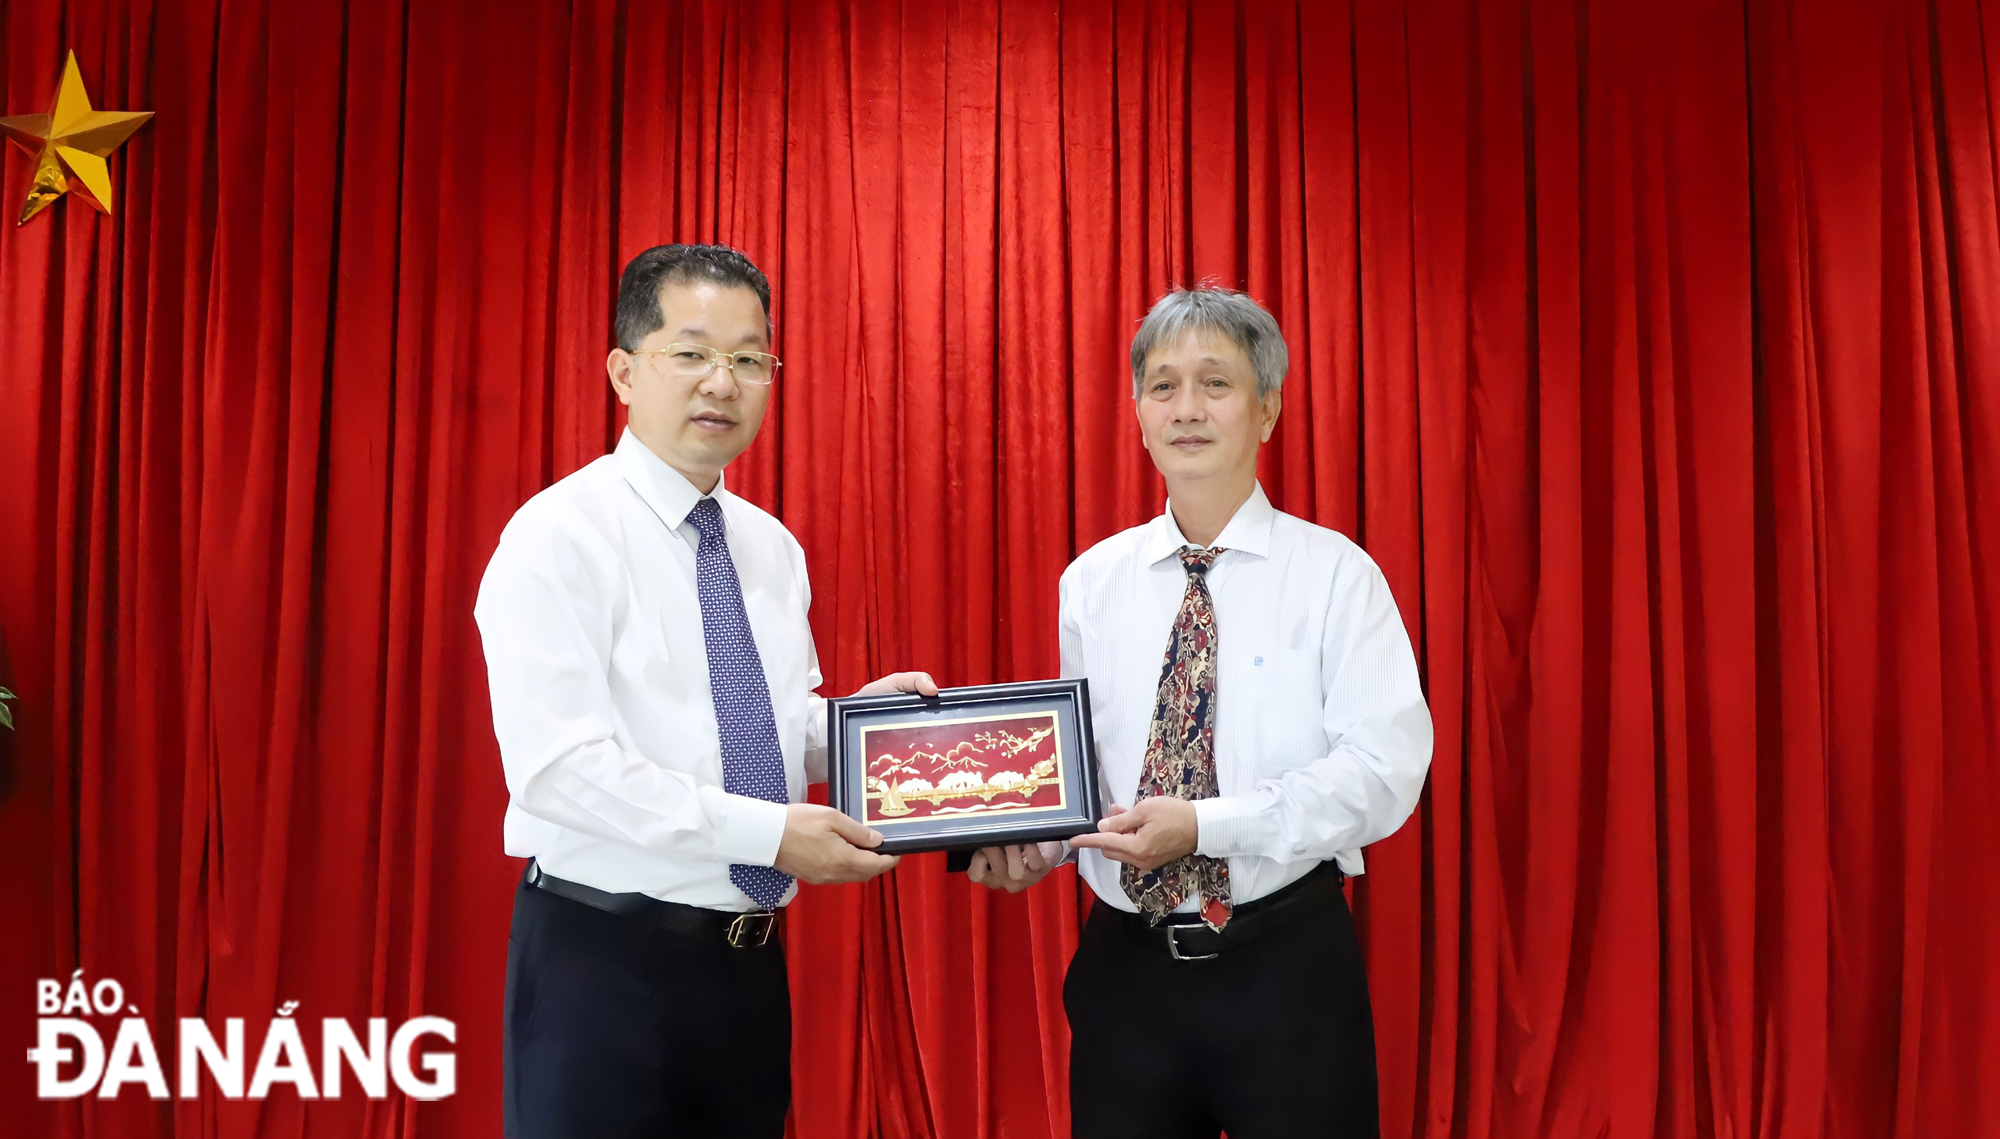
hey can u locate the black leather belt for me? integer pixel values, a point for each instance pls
(1186, 937)
(740, 930)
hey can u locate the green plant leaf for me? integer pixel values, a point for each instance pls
(6, 717)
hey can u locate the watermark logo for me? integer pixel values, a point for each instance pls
(71, 1059)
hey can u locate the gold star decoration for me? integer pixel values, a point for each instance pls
(70, 144)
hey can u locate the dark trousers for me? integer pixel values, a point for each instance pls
(618, 1030)
(1269, 1040)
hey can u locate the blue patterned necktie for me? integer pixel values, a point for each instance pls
(752, 764)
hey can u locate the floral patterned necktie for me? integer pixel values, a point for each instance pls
(1180, 753)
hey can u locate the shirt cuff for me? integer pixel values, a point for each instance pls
(815, 754)
(1224, 826)
(747, 830)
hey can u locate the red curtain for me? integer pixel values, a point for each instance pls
(1653, 350)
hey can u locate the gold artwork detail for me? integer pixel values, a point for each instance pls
(974, 774)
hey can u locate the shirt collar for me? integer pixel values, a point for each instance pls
(1249, 530)
(665, 489)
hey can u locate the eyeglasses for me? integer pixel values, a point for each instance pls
(698, 361)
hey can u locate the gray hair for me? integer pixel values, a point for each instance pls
(1205, 308)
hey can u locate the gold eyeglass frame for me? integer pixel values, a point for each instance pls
(717, 358)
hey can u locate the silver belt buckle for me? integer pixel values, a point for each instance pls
(1174, 946)
(750, 931)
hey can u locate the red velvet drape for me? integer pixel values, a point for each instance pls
(1653, 350)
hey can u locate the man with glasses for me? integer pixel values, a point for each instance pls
(1218, 983)
(652, 677)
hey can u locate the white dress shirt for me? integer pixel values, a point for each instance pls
(1322, 737)
(599, 679)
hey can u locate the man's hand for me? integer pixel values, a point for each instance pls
(822, 846)
(1013, 868)
(917, 682)
(1148, 836)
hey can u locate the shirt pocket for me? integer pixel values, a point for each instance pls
(667, 665)
(660, 632)
(1286, 727)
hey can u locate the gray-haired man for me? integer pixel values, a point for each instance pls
(1258, 721)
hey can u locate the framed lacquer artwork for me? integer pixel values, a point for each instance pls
(984, 766)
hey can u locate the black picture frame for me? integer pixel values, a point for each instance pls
(972, 805)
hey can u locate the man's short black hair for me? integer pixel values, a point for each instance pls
(639, 313)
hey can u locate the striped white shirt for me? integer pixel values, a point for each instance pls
(1322, 736)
